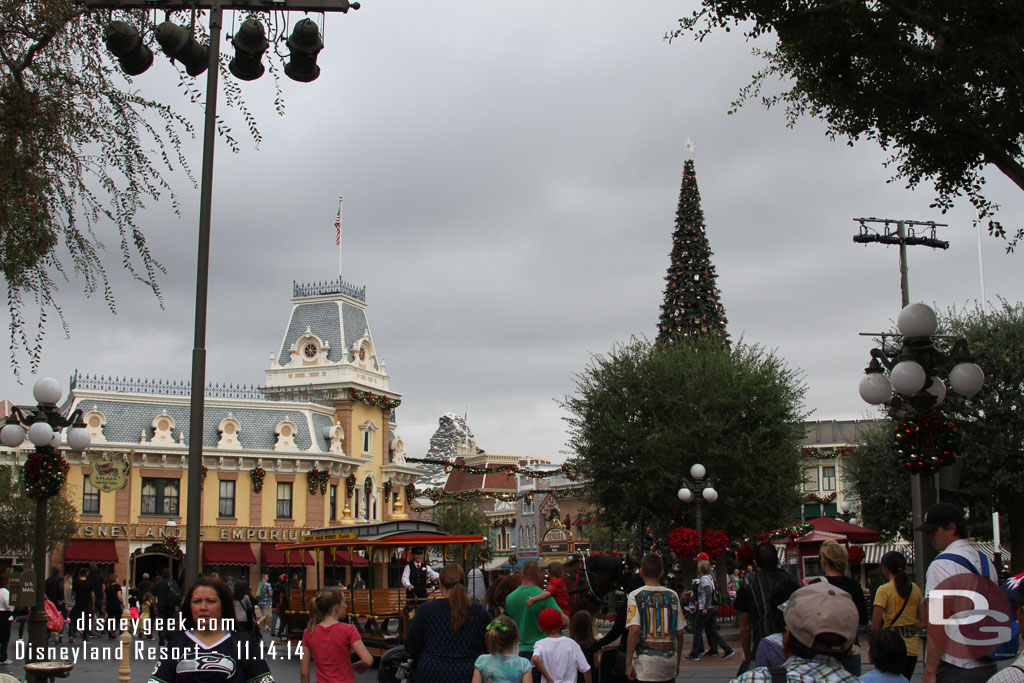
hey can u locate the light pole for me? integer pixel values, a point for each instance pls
(45, 471)
(250, 43)
(169, 532)
(845, 513)
(908, 380)
(697, 489)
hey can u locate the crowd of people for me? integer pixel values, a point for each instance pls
(788, 631)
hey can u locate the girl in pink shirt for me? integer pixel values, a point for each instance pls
(328, 642)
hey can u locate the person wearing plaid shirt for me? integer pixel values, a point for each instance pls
(265, 601)
(821, 624)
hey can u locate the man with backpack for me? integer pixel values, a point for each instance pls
(945, 527)
(168, 600)
(264, 601)
(758, 618)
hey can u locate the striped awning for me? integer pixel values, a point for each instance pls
(873, 551)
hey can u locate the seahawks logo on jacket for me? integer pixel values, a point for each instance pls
(207, 661)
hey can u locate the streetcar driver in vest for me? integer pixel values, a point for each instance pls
(416, 574)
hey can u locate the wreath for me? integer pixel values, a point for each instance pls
(926, 442)
(313, 480)
(257, 474)
(45, 473)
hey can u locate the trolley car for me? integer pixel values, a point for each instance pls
(382, 610)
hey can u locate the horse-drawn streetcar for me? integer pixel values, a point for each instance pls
(382, 610)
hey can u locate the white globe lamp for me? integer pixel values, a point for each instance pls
(937, 388)
(845, 507)
(79, 438)
(875, 388)
(908, 377)
(966, 379)
(710, 495)
(917, 320)
(685, 495)
(698, 471)
(47, 391)
(40, 433)
(12, 435)
(55, 442)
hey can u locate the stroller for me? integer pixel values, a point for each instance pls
(396, 666)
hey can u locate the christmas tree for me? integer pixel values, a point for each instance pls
(691, 310)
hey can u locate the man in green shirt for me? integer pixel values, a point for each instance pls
(526, 616)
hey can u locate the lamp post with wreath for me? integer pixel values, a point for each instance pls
(44, 474)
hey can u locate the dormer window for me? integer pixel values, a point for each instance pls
(285, 432)
(368, 428)
(310, 349)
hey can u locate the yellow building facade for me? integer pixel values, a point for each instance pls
(315, 445)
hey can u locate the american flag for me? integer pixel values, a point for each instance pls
(337, 227)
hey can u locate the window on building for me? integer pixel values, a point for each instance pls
(527, 506)
(810, 479)
(90, 497)
(227, 499)
(159, 496)
(367, 440)
(334, 501)
(828, 478)
(284, 500)
(812, 510)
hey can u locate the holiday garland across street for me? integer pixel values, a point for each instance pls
(568, 470)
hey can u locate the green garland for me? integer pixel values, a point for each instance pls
(410, 492)
(367, 485)
(374, 400)
(350, 486)
(313, 481)
(387, 489)
(202, 476)
(570, 470)
(437, 494)
(827, 453)
(258, 474)
(815, 498)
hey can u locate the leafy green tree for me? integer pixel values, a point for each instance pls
(936, 83)
(992, 421)
(81, 152)
(18, 513)
(643, 414)
(691, 309)
(461, 519)
(875, 473)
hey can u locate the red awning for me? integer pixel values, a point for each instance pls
(228, 553)
(272, 557)
(341, 559)
(854, 533)
(90, 550)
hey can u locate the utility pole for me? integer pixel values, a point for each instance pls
(924, 491)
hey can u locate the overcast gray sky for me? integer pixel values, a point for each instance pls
(511, 173)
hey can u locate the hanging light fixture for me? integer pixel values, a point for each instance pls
(250, 43)
(305, 44)
(125, 43)
(179, 44)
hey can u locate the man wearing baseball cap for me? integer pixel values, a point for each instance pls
(945, 527)
(821, 624)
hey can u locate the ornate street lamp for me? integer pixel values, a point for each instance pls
(45, 473)
(919, 371)
(697, 489)
(845, 513)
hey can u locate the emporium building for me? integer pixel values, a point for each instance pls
(314, 446)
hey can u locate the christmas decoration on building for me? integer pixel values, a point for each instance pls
(387, 489)
(691, 310)
(569, 470)
(374, 400)
(202, 476)
(368, 485)
(45, 472)
(926, 442)
(170, 545)
(827, 453)
(258, 476)
(350, 485)
(410, 492)
(816, 498)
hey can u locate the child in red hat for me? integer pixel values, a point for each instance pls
(557, 658)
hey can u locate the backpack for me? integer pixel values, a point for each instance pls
(173, 593)
(1008, 649)
(260, 590)
(54, 619)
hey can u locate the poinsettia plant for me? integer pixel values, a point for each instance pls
(856, 555)
(684, 542)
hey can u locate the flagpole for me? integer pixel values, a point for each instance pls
(337, 223)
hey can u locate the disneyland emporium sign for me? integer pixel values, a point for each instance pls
(156, 532)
